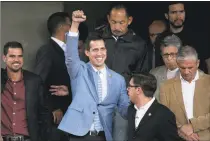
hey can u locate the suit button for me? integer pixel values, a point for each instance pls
(93, 112)
(134, 137)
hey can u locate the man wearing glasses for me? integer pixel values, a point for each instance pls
(169, 48)
(155, 29)
(147, 119)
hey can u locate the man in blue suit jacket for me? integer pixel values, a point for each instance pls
(95, 96)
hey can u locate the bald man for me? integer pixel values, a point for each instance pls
(155, 28)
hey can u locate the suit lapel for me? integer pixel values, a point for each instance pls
(109, 83)
(197, 93)
(178, 92)
(133, 113)
(27, 90)
(91, 83)
(57, 48)
(148, 115)
(164, 74)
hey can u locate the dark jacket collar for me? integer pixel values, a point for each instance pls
(56, 47)
(4, 76)
(107, 34)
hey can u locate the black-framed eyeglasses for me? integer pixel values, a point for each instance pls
(130, 86)
(173, 55)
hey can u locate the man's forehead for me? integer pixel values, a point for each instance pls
(156, 28)
(188, 61)
(178, 6)
(118, 13)
(97, 43)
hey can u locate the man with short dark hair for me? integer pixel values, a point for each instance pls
(50, 65)
(24, 107)
(175, 14)
(96, 89)
(126, 51)
(147, 119)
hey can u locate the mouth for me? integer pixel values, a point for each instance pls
(99, 59)
(16, 64)
(179, 21)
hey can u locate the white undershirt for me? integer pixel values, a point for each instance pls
(60, 43)
(140, 112)
(172, 73)
(188, 90)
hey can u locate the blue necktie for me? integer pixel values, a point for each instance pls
(97, 123)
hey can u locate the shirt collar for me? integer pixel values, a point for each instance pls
(60, 43)
(196, 77)
(146, 106)
(103, 71)
(175, 70)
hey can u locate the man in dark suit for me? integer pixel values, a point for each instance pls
(24, 112)
(147, 119)
(50, 65)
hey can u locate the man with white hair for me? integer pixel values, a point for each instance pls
(169, 49)
(188, 97)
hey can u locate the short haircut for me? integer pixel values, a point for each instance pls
(90, 38)
(12, 44)
(119, 6)
(55, 20)
(171, 40)
(187, 52)
(169, 3)
(146, 81)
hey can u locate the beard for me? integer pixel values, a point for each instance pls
(13, 68)
(117, 33)
(177, 26)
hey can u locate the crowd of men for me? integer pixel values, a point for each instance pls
(110, 86)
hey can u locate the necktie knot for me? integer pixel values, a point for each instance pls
(98, 72)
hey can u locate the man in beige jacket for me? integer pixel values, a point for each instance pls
(188, 97)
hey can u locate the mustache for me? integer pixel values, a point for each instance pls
(117, 31)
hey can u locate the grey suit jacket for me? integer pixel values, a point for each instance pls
(161, 75)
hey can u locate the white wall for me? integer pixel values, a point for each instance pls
(25, 22)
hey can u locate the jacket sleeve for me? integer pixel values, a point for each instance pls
(201, 122)
(72, 58)
(123, 101)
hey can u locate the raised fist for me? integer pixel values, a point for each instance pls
(78, 16)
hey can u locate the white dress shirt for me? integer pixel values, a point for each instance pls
(140, 112)
(60, 43)
(188, 90)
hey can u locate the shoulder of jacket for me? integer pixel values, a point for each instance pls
(157, 69)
